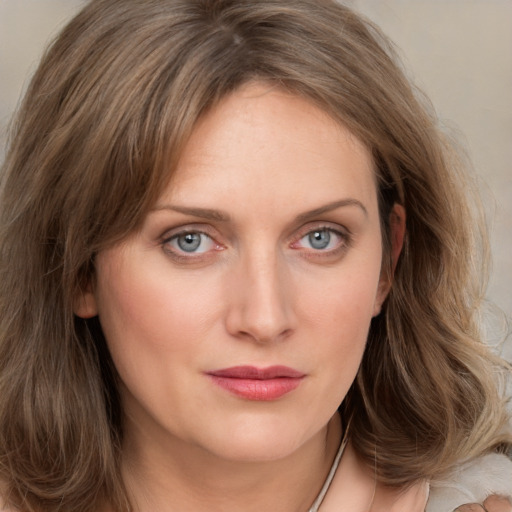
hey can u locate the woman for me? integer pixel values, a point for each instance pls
(220, 221)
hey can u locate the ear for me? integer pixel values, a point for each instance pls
(85, 303)
(397, 233)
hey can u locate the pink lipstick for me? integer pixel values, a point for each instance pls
(259, 384)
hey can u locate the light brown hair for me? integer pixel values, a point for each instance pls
(100, 130)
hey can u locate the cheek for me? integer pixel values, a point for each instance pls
(335, 323)
(147, 317)
(344, 301)
(157, 323)
(339, 314)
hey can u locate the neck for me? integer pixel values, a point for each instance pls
(172, 475)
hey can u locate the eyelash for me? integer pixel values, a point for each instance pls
(183, 256)
(343, 244)
(177, 253)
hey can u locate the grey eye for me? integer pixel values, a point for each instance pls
(319, 239)
(189, 242)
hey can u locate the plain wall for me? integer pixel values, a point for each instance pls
(457, 51)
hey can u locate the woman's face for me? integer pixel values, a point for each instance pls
(238, 315)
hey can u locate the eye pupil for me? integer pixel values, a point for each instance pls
(320, 239)
(189, 242)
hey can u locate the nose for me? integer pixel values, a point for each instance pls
(261, 299)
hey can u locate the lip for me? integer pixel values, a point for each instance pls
(258, 384)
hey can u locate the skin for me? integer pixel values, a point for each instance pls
(491, 504)
(262, 173)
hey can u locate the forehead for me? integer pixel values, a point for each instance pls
(263, 139)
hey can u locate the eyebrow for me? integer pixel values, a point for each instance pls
(204, 213)
(220, 216)
(332, 206)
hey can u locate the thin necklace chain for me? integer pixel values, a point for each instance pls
(320, 498)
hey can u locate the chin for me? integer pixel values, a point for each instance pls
(260, 451)
(261, 441)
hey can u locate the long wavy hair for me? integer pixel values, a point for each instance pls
(96, 138)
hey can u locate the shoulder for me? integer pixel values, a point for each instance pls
(355, 488)
(472, 482)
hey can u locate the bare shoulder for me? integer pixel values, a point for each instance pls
(355, 488)
(412, 498)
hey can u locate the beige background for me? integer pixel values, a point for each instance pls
(458, 51)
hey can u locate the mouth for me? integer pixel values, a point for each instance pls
(258, 384)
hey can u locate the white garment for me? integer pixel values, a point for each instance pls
(472, 483)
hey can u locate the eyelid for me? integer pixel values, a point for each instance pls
(184, 229)
(182, 256)
(319, 226)
(202, 238)
(343, 232)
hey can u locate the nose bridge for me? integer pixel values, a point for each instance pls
(261, 307)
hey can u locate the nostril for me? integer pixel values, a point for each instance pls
(261, 305)
(264, 335)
